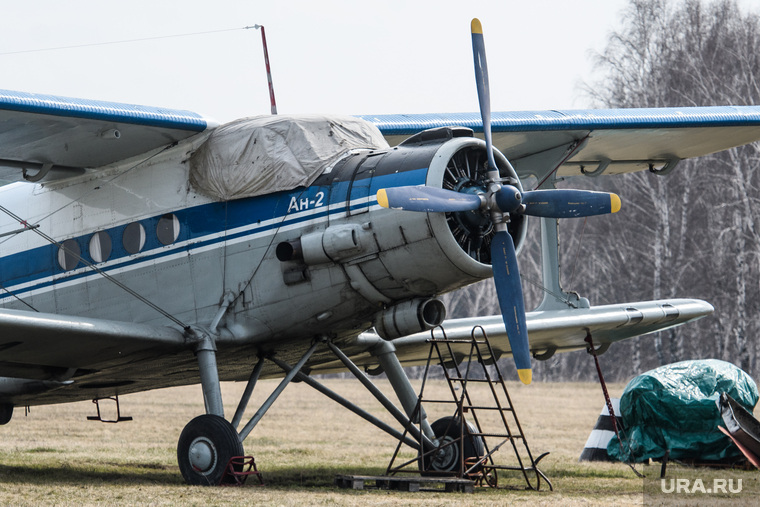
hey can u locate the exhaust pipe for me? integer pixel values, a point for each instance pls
(409, 317)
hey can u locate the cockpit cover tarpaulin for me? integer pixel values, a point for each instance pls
(265, 154)
(675, 407)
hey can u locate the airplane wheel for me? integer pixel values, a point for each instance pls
(447, 459)
(205, 447)
(6, 413)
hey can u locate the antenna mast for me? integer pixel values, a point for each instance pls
(269, 71)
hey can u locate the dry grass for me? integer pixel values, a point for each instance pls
(55, 456)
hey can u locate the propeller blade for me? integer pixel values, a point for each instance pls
(506, 276)
(484, 91)
(422, 198)
(562, 203)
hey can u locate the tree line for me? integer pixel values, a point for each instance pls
(693, 233)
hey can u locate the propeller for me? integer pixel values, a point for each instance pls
(501, 200)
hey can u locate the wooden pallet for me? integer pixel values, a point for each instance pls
(405, 483)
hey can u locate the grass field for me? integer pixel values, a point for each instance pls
(54, 456)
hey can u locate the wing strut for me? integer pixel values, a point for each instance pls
(276, 393)
(591, 350)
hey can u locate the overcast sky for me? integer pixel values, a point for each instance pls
(346, 57)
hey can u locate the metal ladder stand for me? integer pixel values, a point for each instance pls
(473, 415)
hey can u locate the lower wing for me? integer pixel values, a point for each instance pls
(46, 358)
(549, 331)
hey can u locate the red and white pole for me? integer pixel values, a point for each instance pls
(269, 71)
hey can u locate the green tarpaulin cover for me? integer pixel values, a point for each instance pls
(675, 407)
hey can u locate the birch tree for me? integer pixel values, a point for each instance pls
(693, 233)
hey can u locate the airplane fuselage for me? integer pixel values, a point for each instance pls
(143, 225)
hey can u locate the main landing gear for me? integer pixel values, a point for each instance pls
(447, 458)
(210, 449)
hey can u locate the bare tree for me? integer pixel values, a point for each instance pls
(692, 233)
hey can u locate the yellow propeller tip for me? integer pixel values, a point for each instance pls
(475, 26)
(615, 203)
(526, 375)
(382, 198)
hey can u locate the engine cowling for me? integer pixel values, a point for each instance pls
(388, 256)
(460, 165)
(432, 253)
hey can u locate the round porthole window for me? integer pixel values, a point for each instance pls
(100, 246)
(69, 254)
(133, 238)
(167, 229)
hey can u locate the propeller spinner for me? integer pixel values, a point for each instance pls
(501, 201)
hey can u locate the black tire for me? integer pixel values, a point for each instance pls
(205, 447)
(447, 429)
(6, 413)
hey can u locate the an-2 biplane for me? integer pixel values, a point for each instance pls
(143, 248)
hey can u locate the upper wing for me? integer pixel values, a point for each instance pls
(614, 140)
(70, 135)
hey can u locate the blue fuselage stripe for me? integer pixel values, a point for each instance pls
(204, 226)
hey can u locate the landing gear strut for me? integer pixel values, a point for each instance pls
(209, 442)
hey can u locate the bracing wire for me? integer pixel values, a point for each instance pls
(540, 286)
(18, 298)
(98, 270)
(126, 41)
